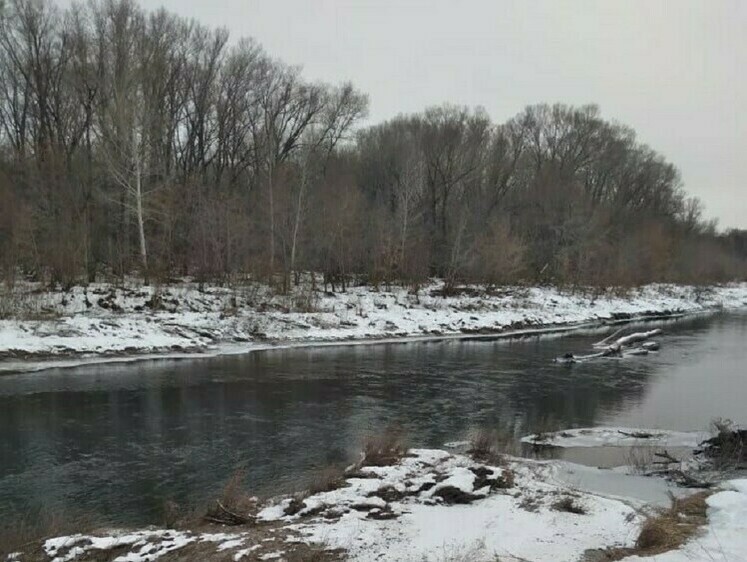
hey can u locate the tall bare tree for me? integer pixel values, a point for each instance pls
(289, 106)
(342, 108)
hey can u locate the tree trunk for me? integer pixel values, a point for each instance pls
(405, 211)
(297, 223)
(139, 211)
(141, 231)
(272, 220)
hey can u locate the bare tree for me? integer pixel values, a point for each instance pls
(124, 126)
(288, 107)
(343, 106)
(453, 143)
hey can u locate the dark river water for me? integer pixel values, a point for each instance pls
(118, 441)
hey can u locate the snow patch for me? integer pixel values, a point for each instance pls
(617, 437)
(144, 545)
(239, 554)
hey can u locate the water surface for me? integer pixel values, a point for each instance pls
(120, 440)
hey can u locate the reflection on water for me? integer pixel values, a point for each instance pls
(119, 440)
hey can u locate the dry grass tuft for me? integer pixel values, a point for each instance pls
(172, 515)
(489, 446)
(669, 529)
(327, 479)
(568, 504)
(691, 506)
(384, 449)
(640, 458)
(507, 479)
(481, 444)
(26, 535)
(659, 534)
(235, 496)
(235, 506)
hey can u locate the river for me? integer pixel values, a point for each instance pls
(119, 440)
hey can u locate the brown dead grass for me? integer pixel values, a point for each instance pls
(235, 496)
(27, 535)
(667, 530)
(207, 551)
(235, 506)
(327, 479)
(384, 449)
(292, 552)
(271, 536)
(692, 506)
(490, 446)
(199, 517)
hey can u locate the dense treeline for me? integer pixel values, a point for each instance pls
(137, 141)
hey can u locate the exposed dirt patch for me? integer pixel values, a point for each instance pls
(453, 495)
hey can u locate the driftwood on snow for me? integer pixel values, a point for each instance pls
(667, 458)
(674, 469)
(620, 347)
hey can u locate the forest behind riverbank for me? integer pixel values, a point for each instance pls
(141, 142)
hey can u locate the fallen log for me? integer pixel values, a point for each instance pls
(676, 473)
(634, 338)
(606, 341)
(640, 434)
(571, 358)
(668, 459)
(617, 347)
(687, 481)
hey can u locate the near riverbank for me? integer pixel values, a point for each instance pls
(39, 327)
(477, 504)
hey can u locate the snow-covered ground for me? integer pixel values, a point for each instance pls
(445, 506)
(433, 505)
(103, 320)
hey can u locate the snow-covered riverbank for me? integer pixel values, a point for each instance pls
(102, 320)
(437, 505)
(434, 505)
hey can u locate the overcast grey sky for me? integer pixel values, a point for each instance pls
(675, 70)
